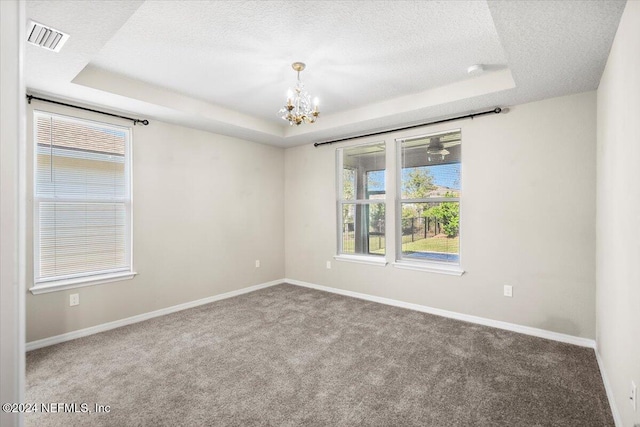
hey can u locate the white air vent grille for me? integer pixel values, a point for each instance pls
(46, 37)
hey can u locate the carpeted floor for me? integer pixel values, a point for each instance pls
(291, 356)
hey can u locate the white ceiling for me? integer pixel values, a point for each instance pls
(224, 66)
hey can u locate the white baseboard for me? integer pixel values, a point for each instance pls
(141, 317)
(555, 336)
(607, 386)
(527, 330)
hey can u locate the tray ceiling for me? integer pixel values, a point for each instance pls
(224, 66)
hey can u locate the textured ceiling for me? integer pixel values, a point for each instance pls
(224, 66)
(238, 54)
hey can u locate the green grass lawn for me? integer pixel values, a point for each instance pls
(376, 244)
(431, 244)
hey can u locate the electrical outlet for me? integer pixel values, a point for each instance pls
(508, 290)
(257, 263)
(329, 265)
(74, 299)
(633, 396)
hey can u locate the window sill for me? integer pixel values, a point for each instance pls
(364, 259)
(453, 270)
(79, 282)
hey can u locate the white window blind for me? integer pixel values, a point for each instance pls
(82, 198)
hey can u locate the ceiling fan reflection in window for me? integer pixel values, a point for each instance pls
(436, 148)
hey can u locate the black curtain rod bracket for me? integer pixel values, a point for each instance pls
(496, 110)
(135, 121)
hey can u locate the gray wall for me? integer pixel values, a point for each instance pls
(618, 214)
(528, 217)
(528, 220)
(205, 207)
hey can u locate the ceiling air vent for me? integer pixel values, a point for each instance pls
(46, 37)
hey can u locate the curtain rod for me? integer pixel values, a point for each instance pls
(496, 110)
(135, 121)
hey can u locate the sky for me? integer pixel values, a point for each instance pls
(447, 175)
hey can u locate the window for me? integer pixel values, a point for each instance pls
(82, 202)
(428, 227)
(361, 200)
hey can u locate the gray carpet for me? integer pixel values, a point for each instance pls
(291, 356)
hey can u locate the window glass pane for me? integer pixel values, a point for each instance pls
(431, 166)
(363, 172)
(375, 185)
(430, 170)
(430, 231)
(348, 184)
(363, 228)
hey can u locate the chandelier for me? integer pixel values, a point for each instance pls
(298, 108)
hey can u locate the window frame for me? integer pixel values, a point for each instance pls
(70, 281)
(372, 259)
(424, 264)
